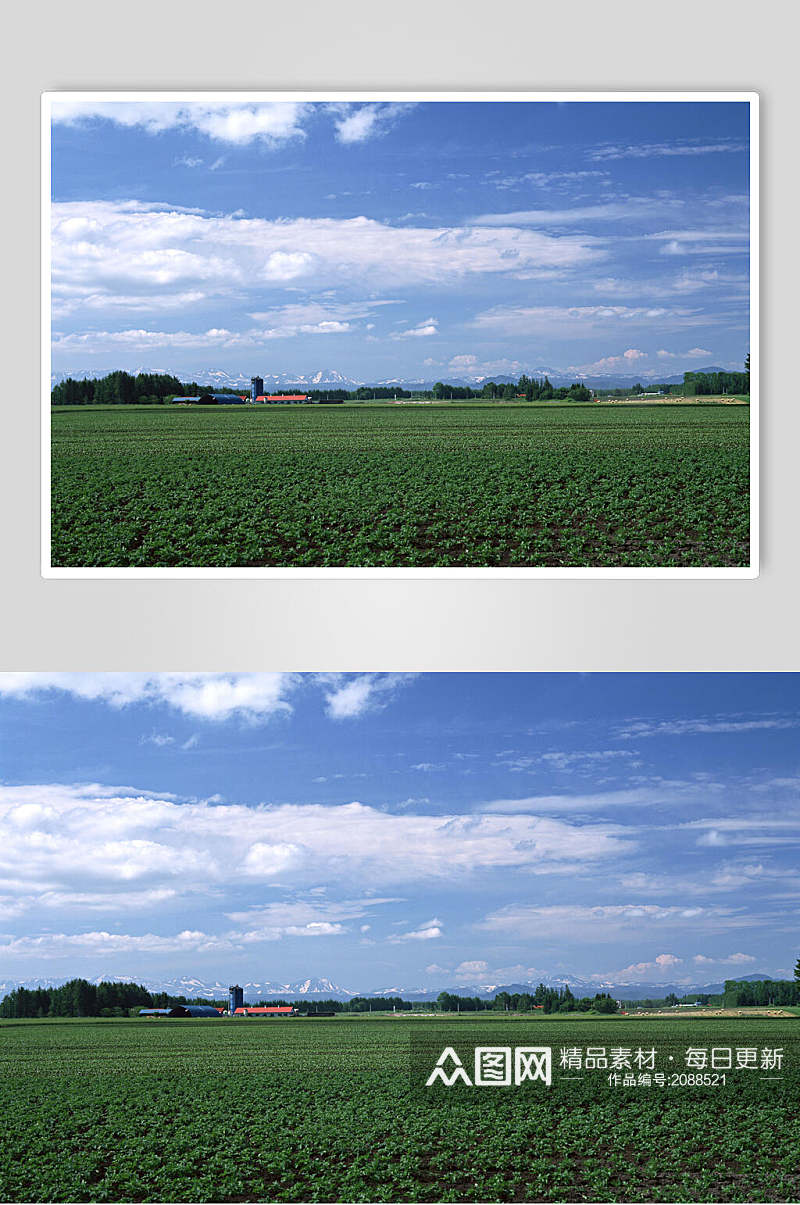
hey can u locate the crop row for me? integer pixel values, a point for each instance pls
(193, 1111)
(402, 487)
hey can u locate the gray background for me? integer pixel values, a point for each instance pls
(395, 624)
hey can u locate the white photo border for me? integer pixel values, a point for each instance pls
(48, 570)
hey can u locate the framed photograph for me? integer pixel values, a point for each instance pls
(400, 334)
(399, 937)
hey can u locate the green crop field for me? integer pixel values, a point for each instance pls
(328, 1110)
(401, 486)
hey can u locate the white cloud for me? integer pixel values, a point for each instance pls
(428, 931)
(683, 283)
(103, 840)
(576, 321)
(346, 698)
(603, 921)
(272, 123)
(706, 725)
(764, 831)
(210, 697)
(652, 150)
(129, 249)
(470, 968)
(563, 761)
(627, 209)
(101, 942)
(549, 180)
(732, 241)
(730, 960)
(360, 123)
(463, 363)
(430, 326)
(661, 964)
(640, 796)
(264, 860)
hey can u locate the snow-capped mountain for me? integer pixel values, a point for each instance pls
(326, 989)
(317, 988)
(217, 378)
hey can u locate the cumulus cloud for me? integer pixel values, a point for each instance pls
(101, 841)
(346, 698)
(427, 931)
(101, 942)
(661, 964)
(359, 123)
(128, 249)
(270, 123)
(282, 322)
(729, 960)
(430, 326)
(463, 363)
(212, 697)
(269, 924)
(469, 968)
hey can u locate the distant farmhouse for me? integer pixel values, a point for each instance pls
(257, 397)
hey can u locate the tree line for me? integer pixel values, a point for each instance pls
(154, 388)
(762, 991)
(546, 999)
(707, 384)
(79, 998)
(157, 388)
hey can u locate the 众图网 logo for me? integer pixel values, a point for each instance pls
(494, 1067)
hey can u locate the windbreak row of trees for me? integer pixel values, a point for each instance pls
(153, 388)
(705, 384)
(760, 992)
(548, 999)
(117, 389)
(124, 389)
(78, 998)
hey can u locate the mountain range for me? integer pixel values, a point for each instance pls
(325, 989)
(331, 378)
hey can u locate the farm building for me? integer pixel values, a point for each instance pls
(282, 399)
(181, 1010)
(235, 997)
(222, 399)
(282, 1010)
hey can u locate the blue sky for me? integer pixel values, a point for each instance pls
(400, 240)
(390, 830)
